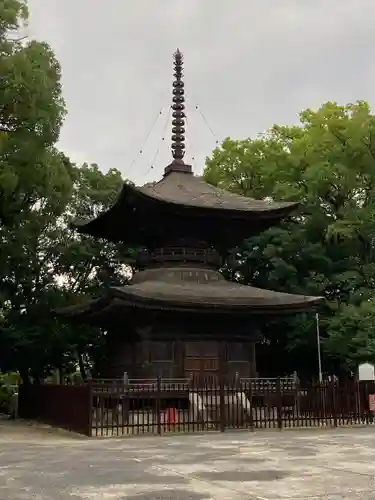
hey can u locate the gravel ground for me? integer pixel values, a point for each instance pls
(40, 463)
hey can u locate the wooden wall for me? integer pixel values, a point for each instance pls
(181, 358)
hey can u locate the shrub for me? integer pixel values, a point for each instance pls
(5, 398)
(8, 385)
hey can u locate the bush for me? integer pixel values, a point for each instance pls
(5, 398)
(8, 386)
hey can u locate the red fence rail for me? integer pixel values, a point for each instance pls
(112, 408)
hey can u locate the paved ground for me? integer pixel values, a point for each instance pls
(40, 464)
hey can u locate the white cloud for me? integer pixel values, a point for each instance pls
(249, 63)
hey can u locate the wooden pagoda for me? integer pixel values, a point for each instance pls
(179, 316)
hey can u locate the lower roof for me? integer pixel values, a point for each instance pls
(221, 296)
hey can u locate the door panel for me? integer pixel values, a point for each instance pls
(202, 349)
(192, 364)
(202, 361)
(210, 364)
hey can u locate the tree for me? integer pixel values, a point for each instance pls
(44, 264)
(31, 113)
(35, 178)
(62, 268)
(351, 333)
(88, 266)
(328, 163)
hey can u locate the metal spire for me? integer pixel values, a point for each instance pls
(178, 122)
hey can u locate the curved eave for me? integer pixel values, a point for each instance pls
(123, 200)
(189, 300)
(131, 196)
(86, 310)
(249, 302)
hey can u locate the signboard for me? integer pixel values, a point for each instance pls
(371, 402)
(366, 371)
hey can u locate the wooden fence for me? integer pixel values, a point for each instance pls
(158, 406)
(65, 406)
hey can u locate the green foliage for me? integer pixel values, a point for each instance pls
(31, 113)
(8, 386)
(57, 267)
(327, 163)
(351, 333)
(5, 399)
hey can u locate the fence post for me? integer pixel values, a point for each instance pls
(334, 409)
(158, 404)
(297, 402)
(21, 401)
(279, 403)
(90, 403)
(222, 402)
(250, 398)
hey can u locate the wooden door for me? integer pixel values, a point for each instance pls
(202, 361)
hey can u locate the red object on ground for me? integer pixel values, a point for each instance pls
(170, 415)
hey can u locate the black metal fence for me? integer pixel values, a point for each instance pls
(159, 406)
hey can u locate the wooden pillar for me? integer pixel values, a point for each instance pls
(179, 361)
(223, 368)
(133, 364)
(144, 334)
(253, 361)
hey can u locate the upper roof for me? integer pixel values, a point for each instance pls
(183, 188)
(186, 201)
(187, 205)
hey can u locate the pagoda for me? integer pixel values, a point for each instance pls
(179, 316)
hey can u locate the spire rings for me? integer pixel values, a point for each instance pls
(178, 92)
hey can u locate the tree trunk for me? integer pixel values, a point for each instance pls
(24, 374)
(82, 367)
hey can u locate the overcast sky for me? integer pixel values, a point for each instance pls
(248, 64)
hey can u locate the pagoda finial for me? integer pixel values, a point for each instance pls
(178, 122)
